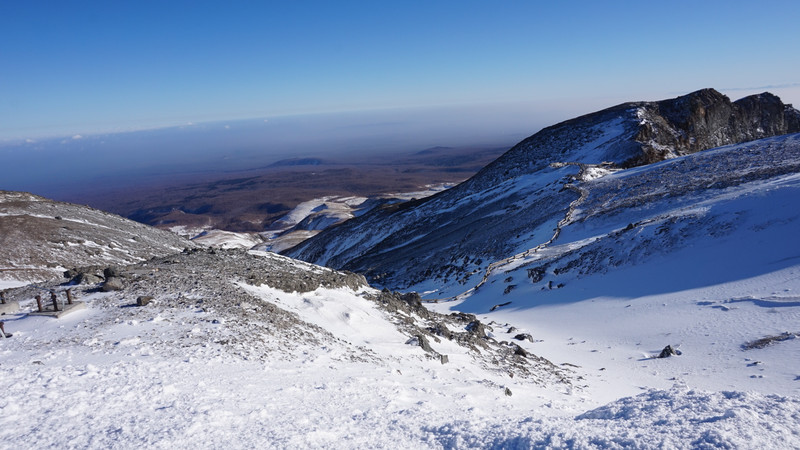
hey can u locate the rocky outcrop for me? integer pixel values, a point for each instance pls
(707, 119)
(669, 351)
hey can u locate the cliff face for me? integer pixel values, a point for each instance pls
(707, 119)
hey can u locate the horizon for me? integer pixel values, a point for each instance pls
(555, 114)
(100, 68)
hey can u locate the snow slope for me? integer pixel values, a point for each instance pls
(216, 361)
(700, 252)
(309, 218)
(226, 239)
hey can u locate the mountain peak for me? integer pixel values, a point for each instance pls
(706, 119)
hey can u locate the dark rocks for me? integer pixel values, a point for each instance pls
(84, 275)
(669, 351)
(112, 284)
(536, 274)
(413, 300)
(439, 329)
(87, 278)
(476, 328)
(519, 350)
(769, 340)
(501, 304)
(444, 359)
(143, 300)
(509, 288)
(424, 343)
(409, 302)
(507, 392)
(300, 280)
(706, 119)
(524, 337)
(112, 272)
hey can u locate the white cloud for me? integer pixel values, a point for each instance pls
(77, 136)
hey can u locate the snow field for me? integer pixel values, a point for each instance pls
(123, 377)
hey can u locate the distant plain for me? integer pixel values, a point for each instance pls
(243, 175)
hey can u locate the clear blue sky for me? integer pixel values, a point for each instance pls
(72, 67)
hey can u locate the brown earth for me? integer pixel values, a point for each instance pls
(251, 200)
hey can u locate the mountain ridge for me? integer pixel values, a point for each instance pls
(514, 203)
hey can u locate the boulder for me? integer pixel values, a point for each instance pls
(112, 284)
(477, 328)
(422, 341)
(524, 337)
(669, 351)
(111, 272)
(520, 351)
(87, 278)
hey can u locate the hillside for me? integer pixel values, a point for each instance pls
(516, 202)
(41, 238)
(250, 349)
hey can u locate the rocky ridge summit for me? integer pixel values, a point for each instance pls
(517, 203)
(41, 238)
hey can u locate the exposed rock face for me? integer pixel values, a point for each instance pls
(707, 119)
(515, 203)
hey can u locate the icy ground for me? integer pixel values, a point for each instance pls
(217, 362)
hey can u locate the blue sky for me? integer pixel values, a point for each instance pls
(86, 67)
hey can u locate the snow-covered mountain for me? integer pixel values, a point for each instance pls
(568, 278)
(41, 238)
(514, 204)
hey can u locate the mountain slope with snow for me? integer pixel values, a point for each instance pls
(41, 238)
(700, 252)
(515, 203)
(560, 289)
(255, 350)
